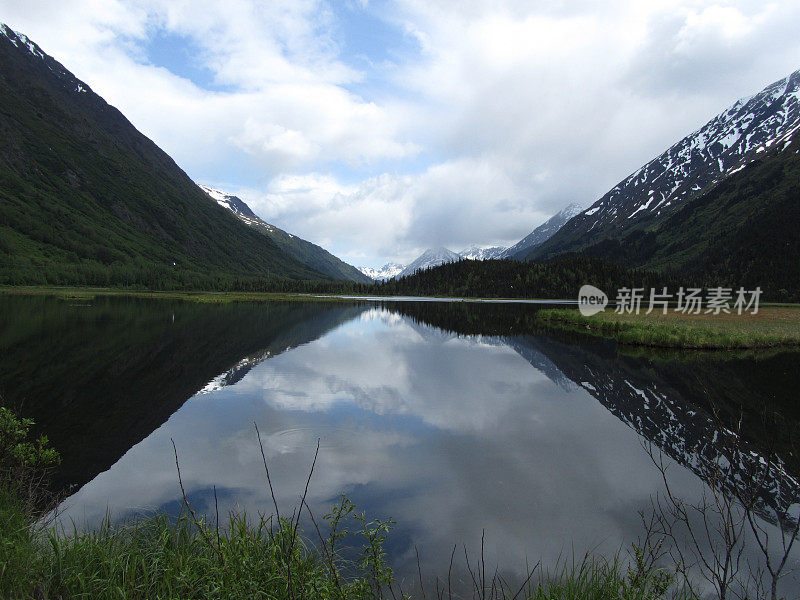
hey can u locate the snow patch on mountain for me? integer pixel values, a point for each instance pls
(383, 273)
(432, 257)
(721, 147)
(543, 232)
(20, 40)
(236, 205)
(479, 253)
(17, 38)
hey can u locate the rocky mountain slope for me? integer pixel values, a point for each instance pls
(741, 232)
(542, 233)
(432, 257)
(722, 147)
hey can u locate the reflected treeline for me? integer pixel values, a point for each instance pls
(100, 376)
(723, 416)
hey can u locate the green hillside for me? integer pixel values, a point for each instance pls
(85, 198)
(306, 252)
(312, 255)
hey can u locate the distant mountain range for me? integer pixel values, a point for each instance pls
(309, 254)
(383, 273)
(478, 253)
(86, 199)
(432, 257)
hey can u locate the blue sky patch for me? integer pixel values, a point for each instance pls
(182, 56)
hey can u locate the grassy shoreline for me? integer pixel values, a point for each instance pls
(71, 292)
(198, 556)
(80, 293)
(774, 326)
(188, 557)
(77, 292)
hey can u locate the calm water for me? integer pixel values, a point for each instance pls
(453, 420)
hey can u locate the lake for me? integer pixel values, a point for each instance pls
(458, 421)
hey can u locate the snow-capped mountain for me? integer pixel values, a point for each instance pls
(542, 233)
(234, 204)
(304, 251)
(383, 273)
(723, 146)
(68, 80)
(432, 257)
(478, 253)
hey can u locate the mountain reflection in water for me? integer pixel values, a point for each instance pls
(451, 419)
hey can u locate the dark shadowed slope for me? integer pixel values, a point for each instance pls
(86, 198)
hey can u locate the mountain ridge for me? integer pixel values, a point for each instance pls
(542, 233)
(720, 148)
(432, 257)
(306, 252)
(87, 199)
(382, 273)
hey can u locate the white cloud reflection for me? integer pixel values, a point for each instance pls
(447, 435)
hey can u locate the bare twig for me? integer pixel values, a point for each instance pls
(200, 527)
(266, 469)
(419, 572)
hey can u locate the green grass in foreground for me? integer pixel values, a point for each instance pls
(193, 557)
(171, 559)
(772, 326)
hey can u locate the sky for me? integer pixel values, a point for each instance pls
(380, 128)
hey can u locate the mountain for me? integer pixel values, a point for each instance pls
(542, 233)
(233, 203)
(86, 199)
(478, 253)
(724, 146)
(741, 232)
(309, 254)
(432, 257)
(383, 273)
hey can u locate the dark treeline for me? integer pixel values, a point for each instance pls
(561, 278)
(487, 279)
(144, 276)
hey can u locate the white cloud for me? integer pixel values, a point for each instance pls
(502, 113)
(287, 108)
